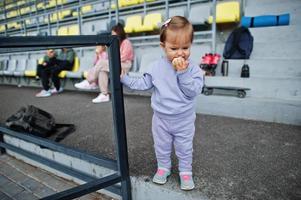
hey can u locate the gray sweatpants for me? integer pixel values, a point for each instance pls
(177, 132)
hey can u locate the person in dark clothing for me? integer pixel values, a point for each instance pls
(64, 61)
(51, 67)
(44, 72)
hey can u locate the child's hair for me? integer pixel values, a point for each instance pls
(119, 31)
(174, 24)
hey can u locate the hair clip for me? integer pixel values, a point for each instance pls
(165, 24)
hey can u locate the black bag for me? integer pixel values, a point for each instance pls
(239, 44)
(245, 71)
(37, 122)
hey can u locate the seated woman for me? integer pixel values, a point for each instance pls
(101, 71)
(90, 83)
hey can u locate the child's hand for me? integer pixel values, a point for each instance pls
(180, 64)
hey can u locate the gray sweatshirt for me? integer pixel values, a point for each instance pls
(174, 93)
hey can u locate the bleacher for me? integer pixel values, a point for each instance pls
(275, 77)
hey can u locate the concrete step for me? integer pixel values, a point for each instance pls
(291, 7)
(276, 33)
(286, 50)
(278, 7)
(278, 88)
(273, 68)
(267, 2)
(265, 109)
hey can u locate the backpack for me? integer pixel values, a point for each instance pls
(239, 44)
(35, 121)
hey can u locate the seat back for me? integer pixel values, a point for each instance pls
(133, 23)
(227, 12)
(152, 21)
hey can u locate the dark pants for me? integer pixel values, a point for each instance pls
(47, 72)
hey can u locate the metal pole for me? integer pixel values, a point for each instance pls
(166, 9)
(2, 150)
(214, 27)
(119, 119)
(117, 12)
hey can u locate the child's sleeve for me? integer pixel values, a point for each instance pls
(191, 81)
(138, 83)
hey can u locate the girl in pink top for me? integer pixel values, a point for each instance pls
(100, 71)
(90, 83)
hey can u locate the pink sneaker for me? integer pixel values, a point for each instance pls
(186, 181)
(161, 176)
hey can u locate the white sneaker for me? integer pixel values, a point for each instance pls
(85, 85)
(101, 98)
(44, 93)
(55, 91)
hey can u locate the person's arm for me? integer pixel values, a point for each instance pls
(138, 83)
(126, 51)
(191, 81)
(70, 56)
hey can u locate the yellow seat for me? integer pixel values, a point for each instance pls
(12, 13)
(33, 73)
(51, 4)
(64, 13)
(226, 12)
(129, 2)
(40, 6)
(151, 22)
(62, 31)
(75, 68)
(2, 28)
(25, 10)
(30, 73)
(133, 24)
(73, 30)
(86, 8)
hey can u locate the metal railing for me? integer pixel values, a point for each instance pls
(16, 44)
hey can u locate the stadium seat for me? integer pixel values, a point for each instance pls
(74, 68)
(25, 10)
(73, 30)
(133, 23)
(20, 68)
(40, 6)
(62, 31)
(11, 67)
(226, 12)
(86, 9)
(125, 3)
(151, 22)
(65, 13)
(3, 66)
(12, 13)
(145, 61)
(86, 64)
(199, 14)
(2, 28)
(31, 68)
(51, 4)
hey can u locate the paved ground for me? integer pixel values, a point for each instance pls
(20, 181)
(233, 158)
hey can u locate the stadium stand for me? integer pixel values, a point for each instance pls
(88, 17)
